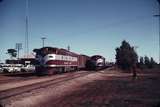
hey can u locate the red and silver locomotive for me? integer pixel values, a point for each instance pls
(52, 60)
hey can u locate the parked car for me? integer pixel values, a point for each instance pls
(28, 68)
(11, 67)
(1, 70)
(17, 67)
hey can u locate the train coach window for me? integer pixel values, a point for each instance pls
(66, 58)
(62, 57)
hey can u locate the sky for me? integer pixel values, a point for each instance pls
(89, 27)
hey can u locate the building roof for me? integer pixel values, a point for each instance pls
(30, 55)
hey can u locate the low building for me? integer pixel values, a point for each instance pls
(25, 60)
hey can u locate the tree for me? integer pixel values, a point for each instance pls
(146, 61)
(12, 53)
(152, 63)
(141, 62)
(152, 60)
(126, 57)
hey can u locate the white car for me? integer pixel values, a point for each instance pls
(7, 68)
(28, 68)
(1, 69)
(12, 67)
(17, 67)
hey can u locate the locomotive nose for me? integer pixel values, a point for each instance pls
(48, 58)
(99, 64)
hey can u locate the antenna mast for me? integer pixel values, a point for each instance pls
(26, 31)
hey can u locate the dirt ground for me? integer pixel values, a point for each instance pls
(115, 91)
(106, 88)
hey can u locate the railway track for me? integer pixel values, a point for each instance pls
(7, 78)
(5, 94)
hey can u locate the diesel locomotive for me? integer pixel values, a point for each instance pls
(96, 62)
(51, 60)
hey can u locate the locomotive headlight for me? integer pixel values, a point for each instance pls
(50, 57)
(100, 60)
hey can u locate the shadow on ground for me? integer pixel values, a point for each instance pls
(26, 74)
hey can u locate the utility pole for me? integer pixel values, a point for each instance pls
(18, 47)
(159, 27)
(68, 48)
(43, 38)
